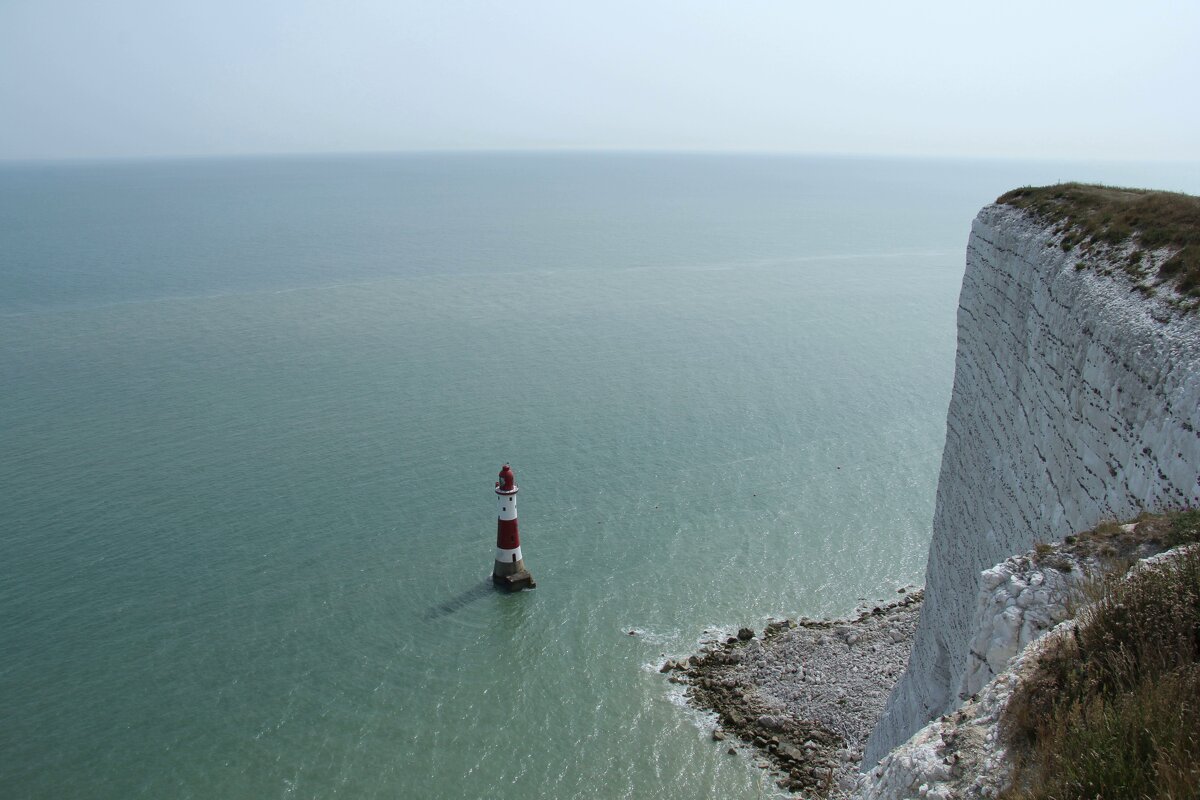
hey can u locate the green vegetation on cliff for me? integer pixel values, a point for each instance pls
(1139, 220)
(1113, 710)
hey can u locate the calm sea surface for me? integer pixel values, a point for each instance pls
(251, 412)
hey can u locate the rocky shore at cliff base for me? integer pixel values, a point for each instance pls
(804, 695)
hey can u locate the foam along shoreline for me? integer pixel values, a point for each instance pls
(805, 695)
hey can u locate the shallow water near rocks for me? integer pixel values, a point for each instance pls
(253, 409)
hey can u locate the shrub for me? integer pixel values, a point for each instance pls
(1113, 711)
(1185, 528)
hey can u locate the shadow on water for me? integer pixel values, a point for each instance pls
(462, 600)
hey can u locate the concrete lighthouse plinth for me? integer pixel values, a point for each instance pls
(509, 571)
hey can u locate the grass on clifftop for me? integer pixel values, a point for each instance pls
(1114, 710)
(1141, 219)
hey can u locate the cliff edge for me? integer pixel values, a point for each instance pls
(1076, 399)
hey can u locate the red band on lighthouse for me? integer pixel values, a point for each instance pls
(507, 537)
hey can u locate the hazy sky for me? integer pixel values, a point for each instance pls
(168, 77)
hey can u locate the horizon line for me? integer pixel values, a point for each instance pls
(572, 150)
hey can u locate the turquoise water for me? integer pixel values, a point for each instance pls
(252, 412)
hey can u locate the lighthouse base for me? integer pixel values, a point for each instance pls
(512, 575)
(515, 582)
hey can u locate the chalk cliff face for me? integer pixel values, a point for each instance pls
(1075, 400)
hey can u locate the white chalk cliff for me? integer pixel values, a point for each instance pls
(1076, 399)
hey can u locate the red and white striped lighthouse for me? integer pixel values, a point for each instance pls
(509, 571)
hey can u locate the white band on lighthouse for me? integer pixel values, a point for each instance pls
(509, 556)
(508, 506)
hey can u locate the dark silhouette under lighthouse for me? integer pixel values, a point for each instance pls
(509, 571)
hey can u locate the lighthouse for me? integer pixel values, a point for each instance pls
(509, 571)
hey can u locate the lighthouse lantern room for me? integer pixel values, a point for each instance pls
(509, 572)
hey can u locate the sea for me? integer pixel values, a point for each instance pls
(252, 411)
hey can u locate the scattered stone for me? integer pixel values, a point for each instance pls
(745, 634)
(791, 753)
(771, 723)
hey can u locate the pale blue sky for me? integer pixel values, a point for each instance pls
(130, 78)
